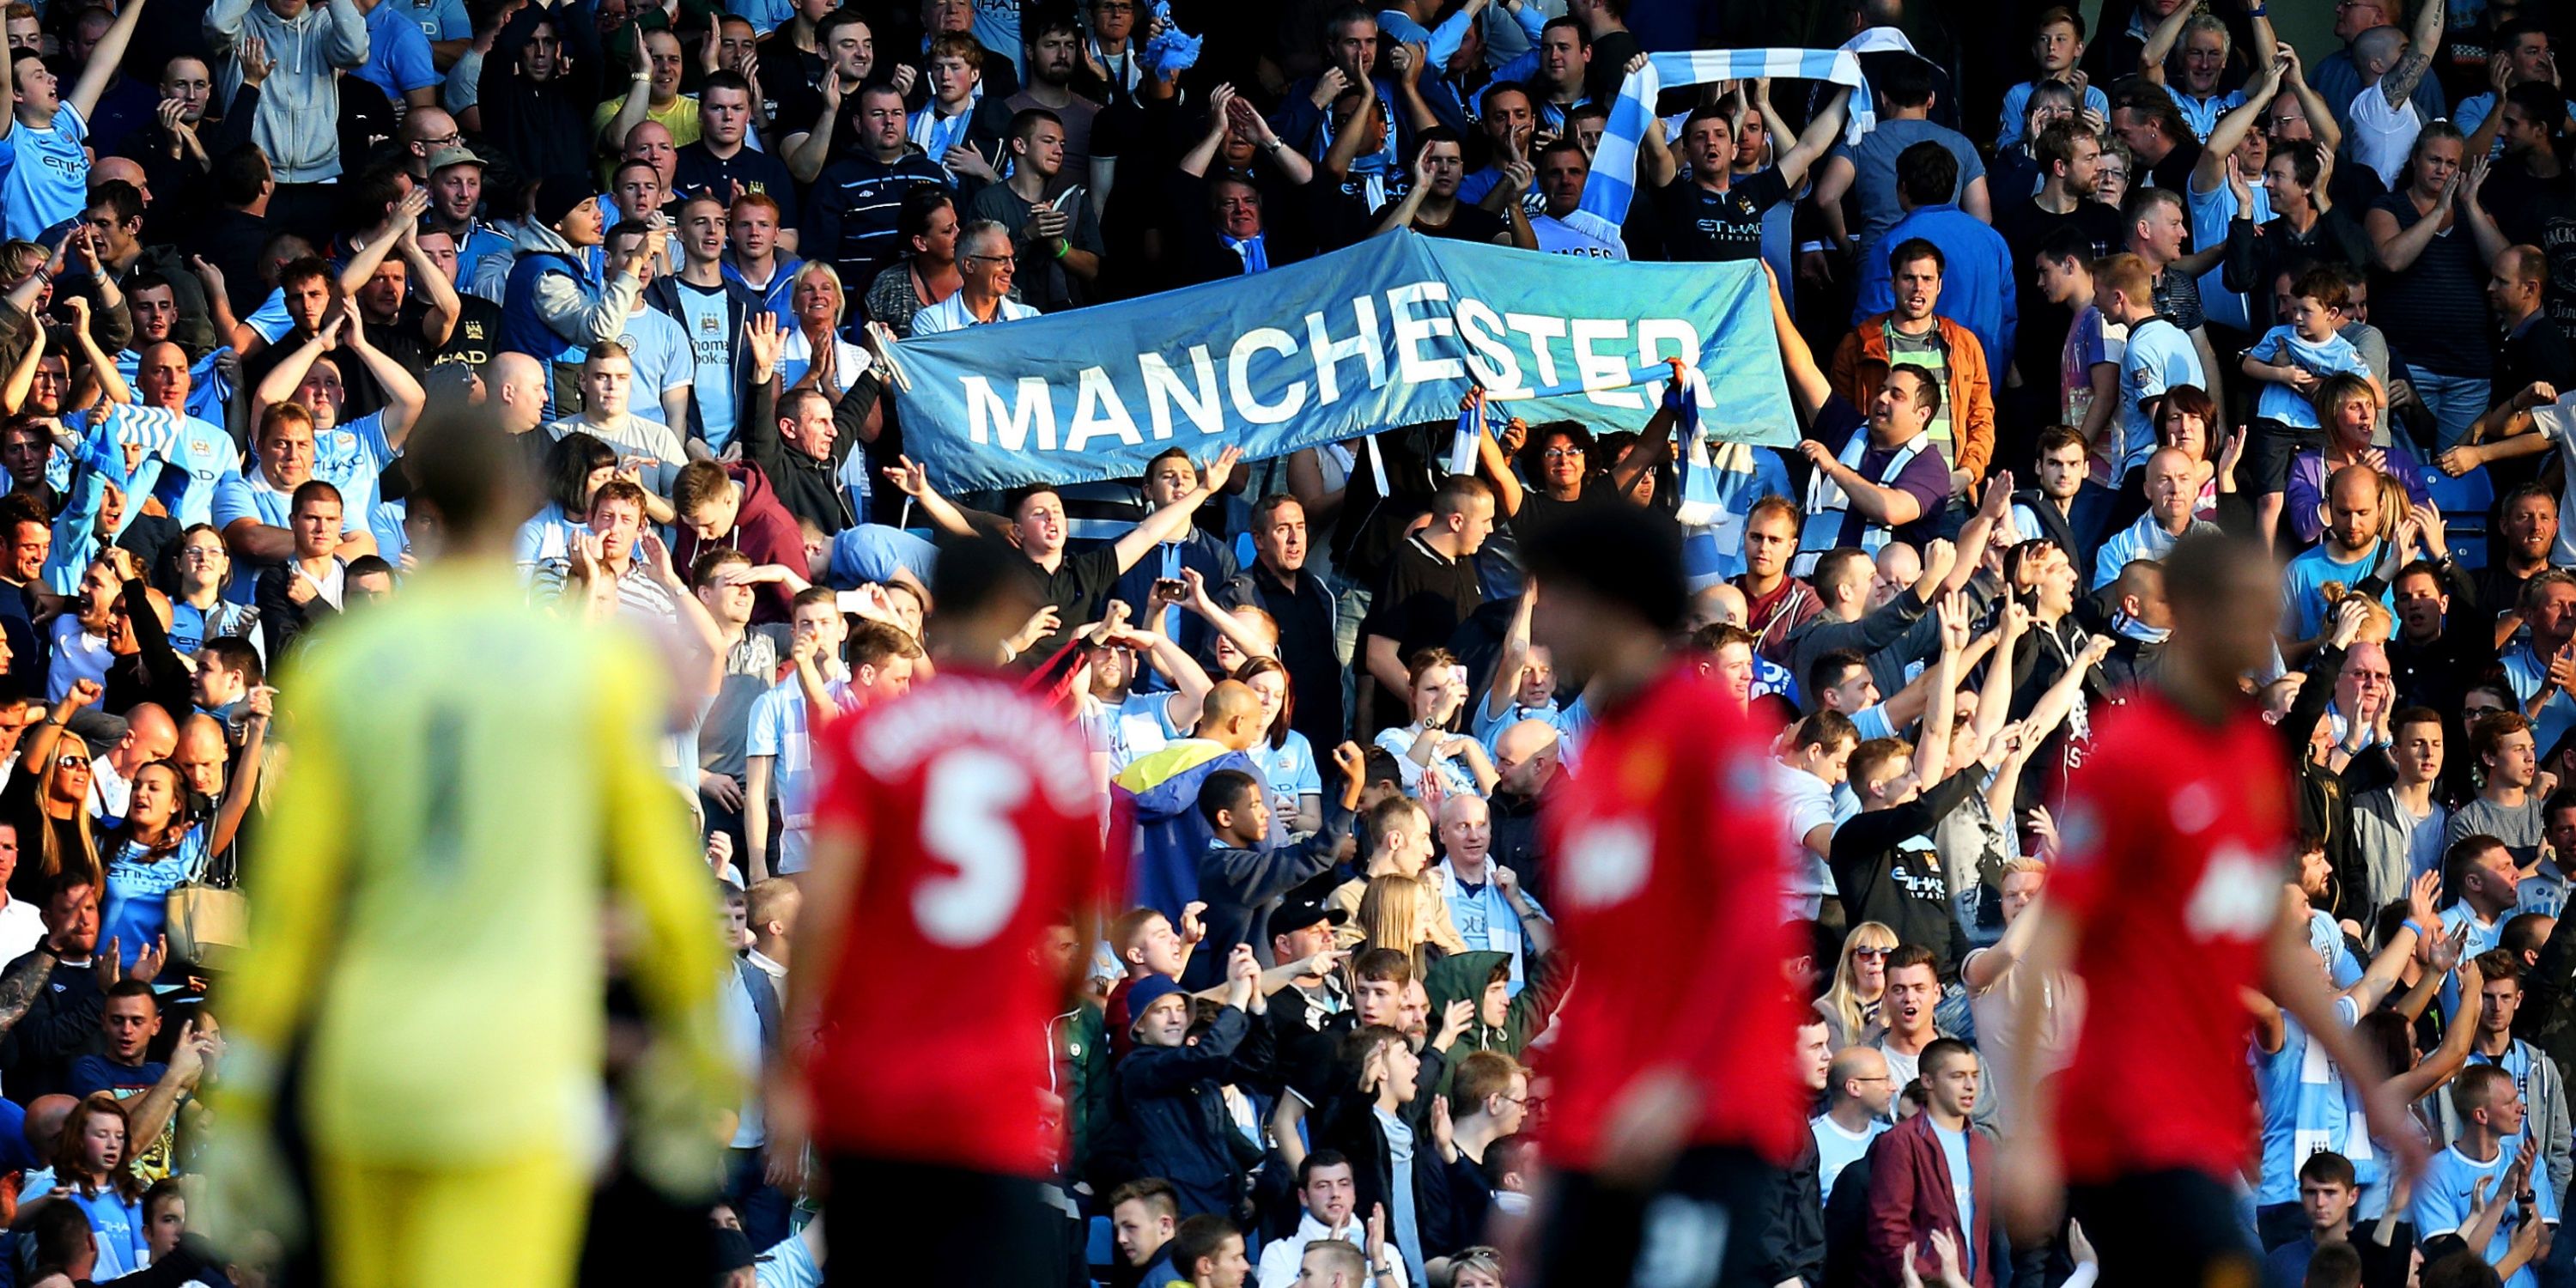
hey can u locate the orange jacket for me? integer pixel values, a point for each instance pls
(1860, 367)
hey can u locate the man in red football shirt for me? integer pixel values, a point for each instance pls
(952, 825)
(1676, 1104)
(2168, 898)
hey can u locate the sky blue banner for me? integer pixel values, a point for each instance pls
(1391, 332)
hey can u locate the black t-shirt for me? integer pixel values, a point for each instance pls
(1424, 599)
(2026, 227)
(477, 335)
(1078, 589)
(2174, 172)
(1700, 226)
(1468, 223)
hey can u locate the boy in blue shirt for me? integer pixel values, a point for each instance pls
(2289, 363)
(44, 165)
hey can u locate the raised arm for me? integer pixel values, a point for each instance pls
(280, 383)
(404, 398)
(1171, 521)
(1814, 140)
(2321, 117)
(2160, 43)
(103, 60)
(243, 787)
(807, 151)
(1807, 382)
(913, 481)
(2398, 84)
(1515, 654)
(2208, 172)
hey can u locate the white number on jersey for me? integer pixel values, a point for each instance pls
(2238, 897)
(1607, 862)
(967, 795)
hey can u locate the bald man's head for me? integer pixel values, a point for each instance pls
(45, 1118)
(1525, 757)
(111, 168)
(150, 735)
(514, 384)
(1231, 714)
(1859, 1073)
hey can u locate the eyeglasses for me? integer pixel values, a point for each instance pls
(71, 762)
(984, 259)
(1872, 952)
(1563, 454)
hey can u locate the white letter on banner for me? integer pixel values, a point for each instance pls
(1540, 329)
(1164, 388)
(1482, 329)
(1329, 353)
(1097, 413)
(1604, 374)
(983, 408)
(1652, 335)
(1411, 331)
(1238, 362)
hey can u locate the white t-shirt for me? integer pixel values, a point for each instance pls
(2380, 136)
(22, 927)
(1557, 237)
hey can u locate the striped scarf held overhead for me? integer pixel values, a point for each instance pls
(1612, 187)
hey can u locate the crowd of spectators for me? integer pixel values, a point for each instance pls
(2081, 289)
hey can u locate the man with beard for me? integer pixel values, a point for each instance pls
(1054, 51)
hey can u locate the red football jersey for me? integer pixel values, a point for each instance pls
(975, 807)
(1670, 865)
(2174, 847)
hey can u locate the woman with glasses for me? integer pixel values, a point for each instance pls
(47, 801)
(199, 566)
(1850, 1007)
(928, 273)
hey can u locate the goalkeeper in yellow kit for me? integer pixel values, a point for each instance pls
(472, 781)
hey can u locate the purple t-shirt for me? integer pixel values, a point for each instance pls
(1926, 477)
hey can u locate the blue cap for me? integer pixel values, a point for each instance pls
(1142, 995)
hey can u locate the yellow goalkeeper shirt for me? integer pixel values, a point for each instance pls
(470, 782)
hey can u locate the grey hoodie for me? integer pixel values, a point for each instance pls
(298, 124)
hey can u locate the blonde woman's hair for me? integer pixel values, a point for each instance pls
(1842, 1003)
(1395, 913)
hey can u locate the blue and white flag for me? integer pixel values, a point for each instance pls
(1388, 333)
(1612, 188)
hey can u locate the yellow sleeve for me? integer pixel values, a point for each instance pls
(688, 1080)
(301, 863)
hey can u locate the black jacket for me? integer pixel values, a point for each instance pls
(545, 126)
(809, 488)
(740, 305)
(1169, 1104)
(1791, 1221)
(1240, 888)
(1348, 1122)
